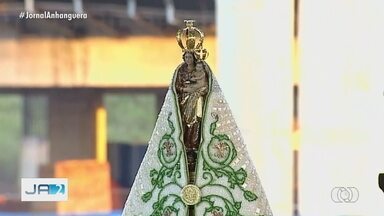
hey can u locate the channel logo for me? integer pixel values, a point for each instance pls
(344, 194)
(44, 189)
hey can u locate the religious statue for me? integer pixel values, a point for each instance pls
(196, 163)
(191, 88)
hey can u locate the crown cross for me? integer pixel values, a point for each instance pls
(190, 39)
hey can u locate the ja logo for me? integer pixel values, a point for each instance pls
(47, 188)
(44, 189)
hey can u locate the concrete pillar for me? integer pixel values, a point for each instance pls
(254, 62)
(131, 8)
(170, 12)
(34, 148)
(29, 5)
(78, 6)
(72, 124)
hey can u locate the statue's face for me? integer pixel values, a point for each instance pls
(188, 58)
(199, 67)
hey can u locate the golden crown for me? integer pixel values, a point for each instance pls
(190, 39)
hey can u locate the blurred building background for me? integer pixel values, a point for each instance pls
(304, 80)
(75, 95)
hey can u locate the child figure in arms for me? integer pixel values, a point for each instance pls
(197, 87)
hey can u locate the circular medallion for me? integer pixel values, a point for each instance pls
(190, 194)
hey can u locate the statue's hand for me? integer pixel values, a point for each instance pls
(189, 88)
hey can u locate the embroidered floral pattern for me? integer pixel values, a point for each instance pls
(217, 156)
(217, 213)
(167, 213)
(169, 148)
(221, 150)
(170, 211)
(169, 155)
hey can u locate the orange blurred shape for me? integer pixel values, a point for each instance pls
(89, 186)
(3, 199)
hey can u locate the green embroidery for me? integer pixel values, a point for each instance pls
(169, 154)
(217, 157)
(231, 206)
(160, 209)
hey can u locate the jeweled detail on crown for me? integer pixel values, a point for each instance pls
(190, 39)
